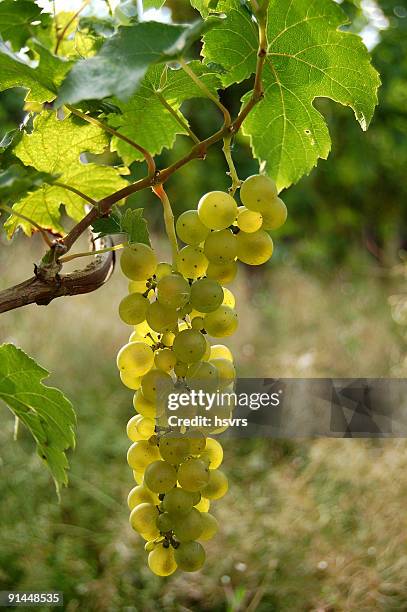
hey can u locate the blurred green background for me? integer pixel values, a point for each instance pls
(307, 524)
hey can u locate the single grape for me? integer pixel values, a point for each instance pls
(257, 192)
(217, 210)
(203, 375)
(145, 427)
(222, 322)
(143, 329)
(163, 269)
(168, 339)
(137, 286)
(226, 371)
(254, 249)
(144, 406)
(138, 477)
(173, 291)
(206, 295)
(132, 431)
(133, 308)
(228, 298)
(141, 495)
(181, 369)
(197, 442)
(192, 262)
(188, 527)
(185, 310)
(248, 220)
(275, 215)
(160, 476)
(224, 273)
(190, 228)
(197, 323)
(136, 337)
(220, 351)
(135, 357)
(161, 561)
(196, 497)
(130, 380)
(210, 526)
(174, 449)
(160, 318)
(189, 346)
(178, 502)
(213, 453)
(189, 556)
(193, 475)
(203, 505)
(143, 519)
(221, 247)
(149, 546)
(165, 522)
(217, 486)
(165, 360)
(141, 454)
(155, 384)
(138, 262)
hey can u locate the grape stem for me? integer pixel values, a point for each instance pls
(44, 234)
(176, 116)
(61, 35)
(227, 151)
(116, 247)
(168, 221)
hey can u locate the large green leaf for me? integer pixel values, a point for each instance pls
(55, 146)
(121, 64)
(16, 20)
(158, 128)
(46, 412)
(307, 57)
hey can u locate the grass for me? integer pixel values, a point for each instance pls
(307, 525)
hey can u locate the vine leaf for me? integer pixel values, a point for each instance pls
(16, 180)
(158, 128)
(55, 146)
(131, 222)
(307, 57)
(16, 20)
(45, 411)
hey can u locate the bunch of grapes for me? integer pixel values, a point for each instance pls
(173, 308)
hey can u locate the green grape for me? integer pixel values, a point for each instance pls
(226, 371)
(213, 453)
(248, 220)
(197, 323)
(257, 192)
(210, 526)
(149, 546)
(275, 215)
(185, 310)
(138, 477)
(145, 427)
(222, 322)
(141, 495)
(143, 329)
(220, 351)
(192, 262)
(163, 269)
(160, 476)
(206, 295)
(174, 449)
(136, 337)
(203, 505)
(189, 346)
(165, 522)
(203, 375)
(168, 339)
(197, 443)
(181, 369)
(188, 527)
(217, 210)
(196, 497)
(178, 502)
(217, 486)
(135, 357)
(130, 380)
(189, 556)
(254, 249)
(161, 561)
(143, 406)
(138, 262)
(173, 291)
(228, 298)
(141, 454)
(190, 228)
(193, 475)
(160, 318)
(165, 360)
(133, 308)
(143, 519)
(208, 349)
(137, 286)
(132, 431)
(155, 384)
(224, 273)
(221, 247)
